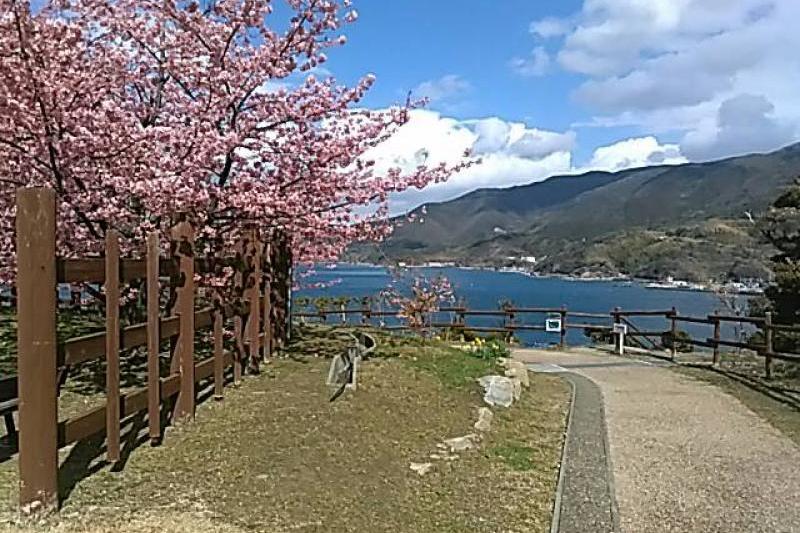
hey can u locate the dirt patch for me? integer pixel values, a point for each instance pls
(276, 455)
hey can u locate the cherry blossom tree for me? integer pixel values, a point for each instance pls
(134, 111)
(423, 297)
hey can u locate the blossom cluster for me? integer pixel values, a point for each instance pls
(137, 111)
(424, 298)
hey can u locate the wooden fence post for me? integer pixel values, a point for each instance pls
(254, 320)
(510, 325)
(183, 235)
(769, 334)
(717, 337)
(619, 339)
(563, 341)
(238, 342)
(112, 346)
(266, 277)
(674, 333)
(153, 339)
(219, 354)
(36, 351)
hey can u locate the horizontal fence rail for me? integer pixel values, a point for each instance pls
(668, 337)
(258, 312)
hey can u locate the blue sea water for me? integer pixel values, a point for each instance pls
(485, 289)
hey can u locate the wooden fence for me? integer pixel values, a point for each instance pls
(257, 311)
(518, 320)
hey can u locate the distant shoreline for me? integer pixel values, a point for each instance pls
(754, 288)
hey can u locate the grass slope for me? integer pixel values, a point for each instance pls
(276, 455)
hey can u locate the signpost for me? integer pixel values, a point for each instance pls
(620, 330)
(553, 323)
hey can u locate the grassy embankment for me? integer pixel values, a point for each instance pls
(276, 455)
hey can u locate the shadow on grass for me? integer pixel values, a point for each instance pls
(86, 457)
(787, 396)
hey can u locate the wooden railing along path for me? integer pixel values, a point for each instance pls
(44, 360)
(512, 323)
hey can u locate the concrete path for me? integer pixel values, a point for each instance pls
(685, 456)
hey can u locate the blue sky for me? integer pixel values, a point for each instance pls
(410, 42)
(544, 87)
(538, 88)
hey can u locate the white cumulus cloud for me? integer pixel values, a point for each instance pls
(720, 71)
(511, 153)
(634, 153)
(537, 64)
(445, 92)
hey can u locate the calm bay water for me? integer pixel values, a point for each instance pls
(483, 289)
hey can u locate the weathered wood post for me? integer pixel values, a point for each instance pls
(619, 338)
(153, 339)
(219, 355)
(510, 317)
(717, 336)
(673, 314)
(36, 351)
(183, 235)
(112, 346)
(254, 296)
(563, 341)
(265, 281)
(238, 285)
(365, 313)
(769, 335)
(281, 281)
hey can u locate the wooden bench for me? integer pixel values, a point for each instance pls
(9, 402)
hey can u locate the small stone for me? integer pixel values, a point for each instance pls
(517, 370)
(461, 444)
(484, 422)
(421, 468)
(517, 388)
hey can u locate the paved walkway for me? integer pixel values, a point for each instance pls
(685, 456)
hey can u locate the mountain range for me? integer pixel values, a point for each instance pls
(696, 221)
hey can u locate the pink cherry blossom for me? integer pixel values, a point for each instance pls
(136, 111)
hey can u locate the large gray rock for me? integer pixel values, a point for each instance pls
(499, 390)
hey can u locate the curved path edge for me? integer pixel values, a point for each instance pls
(585, 498)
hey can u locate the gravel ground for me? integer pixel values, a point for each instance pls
(688, 457)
